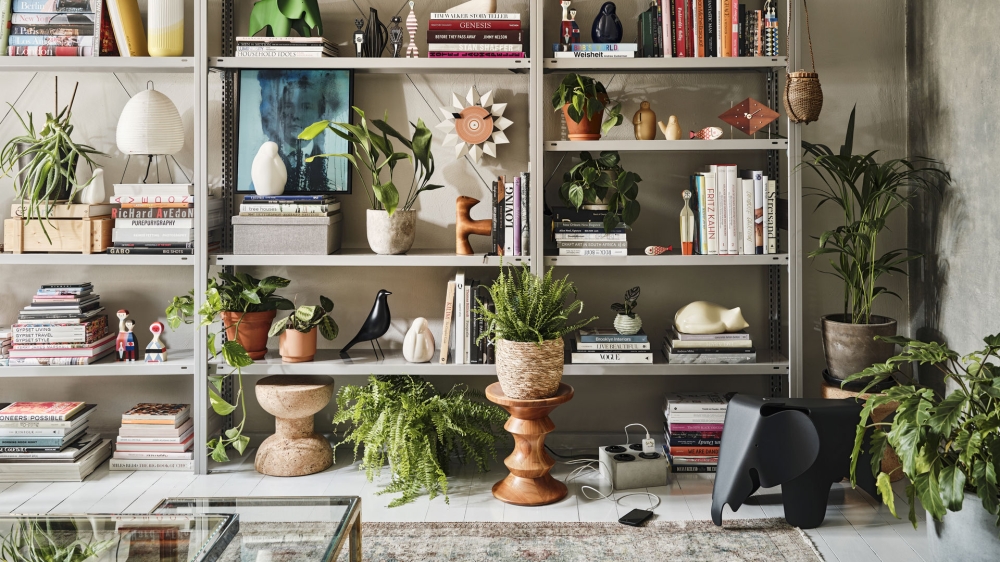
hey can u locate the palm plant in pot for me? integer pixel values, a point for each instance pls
(583, 100)
(527, 328)
(392, 224)
(246, 307)
(948, 446)
(867, 192)
(43, 162)
(603, 184)
(297, 331)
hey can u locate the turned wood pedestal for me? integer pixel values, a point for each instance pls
(295, 449)
(529, 482)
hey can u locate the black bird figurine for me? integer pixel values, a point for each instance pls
(375, 326)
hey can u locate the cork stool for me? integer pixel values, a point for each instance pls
(294, 449)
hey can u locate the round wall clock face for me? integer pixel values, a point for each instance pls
(474, 126)
(749, 116)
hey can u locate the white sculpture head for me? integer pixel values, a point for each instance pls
(702, 317)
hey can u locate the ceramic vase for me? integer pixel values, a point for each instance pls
(93, 193)
(391, 234)
(851, 348)
(376, 36)
(628, 325)
(268, 171)
(607, 27)
(166, 28)
(418, 343)
(645, 122)
(297, 347)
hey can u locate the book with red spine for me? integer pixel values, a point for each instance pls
(734, 28)
(476, 36)
(694, 451)
(475, 55)
(469, 25)
(98, 348)
(689, 27)
(49, 51)
(680, 31)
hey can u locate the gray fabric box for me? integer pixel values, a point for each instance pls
(287, 235)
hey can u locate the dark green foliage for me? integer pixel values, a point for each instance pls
(404, 421)
(586, 97)
(280, 17)
(530, 308)
(946, 445)
(867, 193)
(591, 181)
(305, 318)
(631, 301)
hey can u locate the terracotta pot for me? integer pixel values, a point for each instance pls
(852, 348)
(391, 235)
(252, 333)
(296, 347)
(528, 371)
(586, 129)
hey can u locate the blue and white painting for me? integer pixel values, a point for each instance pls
(276, 105)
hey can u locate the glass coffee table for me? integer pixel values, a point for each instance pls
(116, 538)
(280, 529)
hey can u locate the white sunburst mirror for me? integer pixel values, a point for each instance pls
(475, 125)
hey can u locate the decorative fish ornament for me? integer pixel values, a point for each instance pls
(708, 133)
(658, 250)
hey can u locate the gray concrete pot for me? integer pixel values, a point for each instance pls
(851, 348)
(970, 535)
(391, 235)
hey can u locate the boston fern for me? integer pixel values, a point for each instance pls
(530, 308)
(405, 421)
(946, 445)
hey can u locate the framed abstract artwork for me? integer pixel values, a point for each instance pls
(276, 105)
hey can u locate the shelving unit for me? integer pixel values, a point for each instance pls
(780, 354)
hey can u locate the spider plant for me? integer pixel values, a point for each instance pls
(29, 541)
(43, 161)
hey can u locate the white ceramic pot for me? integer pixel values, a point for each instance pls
(627, 325)
(166, 28)
(391, 235)
(268, 171)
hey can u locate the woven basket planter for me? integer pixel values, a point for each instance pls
(803, 97)
(528, 371)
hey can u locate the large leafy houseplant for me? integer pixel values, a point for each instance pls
(404, 421)
(947, 445)
(232, 296)
(603, 180)
(583, 98)
(377, 157)
(49, 156)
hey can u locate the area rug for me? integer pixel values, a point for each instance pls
(750, 540)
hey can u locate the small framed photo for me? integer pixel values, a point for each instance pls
(276, 105)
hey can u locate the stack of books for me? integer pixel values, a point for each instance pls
(594, 50)
(734, 215)
(47, 28)
(48, 441)
(511, 232)
(155, 437)
(63, 325)
(581, 233)
(265, 47)
(703, 349)
(707, 28)
(5, 343)
(289, 206)
(597, 345)
(496, 36)
(693, 431)
(159, 219)
(462, 326)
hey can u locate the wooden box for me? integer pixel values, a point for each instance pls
(77, 235)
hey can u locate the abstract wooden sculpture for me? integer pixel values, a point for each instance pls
(465, 226)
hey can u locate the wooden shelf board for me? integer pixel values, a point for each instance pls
(646, 65)
(180, 362)
(363, 257)
(665, 260)
(666, 145)
(380, 65)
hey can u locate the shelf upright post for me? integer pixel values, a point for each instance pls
(536, 136)
(794, 224)
(200, 375)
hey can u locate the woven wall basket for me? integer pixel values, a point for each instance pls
(528, 371)
(803, 93)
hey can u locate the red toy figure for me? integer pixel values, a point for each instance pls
(122, 335)
(131, 348)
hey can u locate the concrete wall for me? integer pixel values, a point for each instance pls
(954, 81)
(859, 46)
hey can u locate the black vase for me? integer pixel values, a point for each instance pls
(376, 36)
(607, 27)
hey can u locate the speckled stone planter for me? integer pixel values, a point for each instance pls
(391, 235)
(627, 325)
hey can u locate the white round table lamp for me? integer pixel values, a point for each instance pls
(150, 124)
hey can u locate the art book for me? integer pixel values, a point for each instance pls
(40, 411)
(156, 413)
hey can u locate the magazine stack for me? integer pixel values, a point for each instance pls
(155, 437)
(65, 324)
(49, 441)
(693, 431)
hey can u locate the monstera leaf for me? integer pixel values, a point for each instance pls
(281, 16)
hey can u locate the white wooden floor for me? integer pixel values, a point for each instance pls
(857, 528)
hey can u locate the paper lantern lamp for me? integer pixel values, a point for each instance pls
(150, 124)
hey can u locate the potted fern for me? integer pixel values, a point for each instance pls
(297, 331)
(603, 184)
(867, 192)
(392, 224)
(948, 445)
(527, 328)
(583, 100)
(404, 421)
(628, 322)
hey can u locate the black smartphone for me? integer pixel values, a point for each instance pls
(636, 517)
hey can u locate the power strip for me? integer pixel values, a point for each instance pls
(630, 466)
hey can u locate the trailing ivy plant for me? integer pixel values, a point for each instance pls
(586, 97)
(238, 293)
(530, 308)
(867, 192)
(947, 445)
(404, 421)
(631, 300)
(594, 179)
(305, 318)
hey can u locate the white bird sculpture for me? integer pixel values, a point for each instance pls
(268, 171)
(418, 343)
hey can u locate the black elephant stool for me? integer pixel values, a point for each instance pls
(802, 445)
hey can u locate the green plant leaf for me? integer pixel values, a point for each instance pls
(326, 303)
(313, 131)
(216, 381)
(235, 355)
(952, 484)
(278, 327)
(240, 444)
(884, 486)
(220, 406)
(947, 413)
(219, 453)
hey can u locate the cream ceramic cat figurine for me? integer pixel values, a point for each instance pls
(701, 317)
(418, 343)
